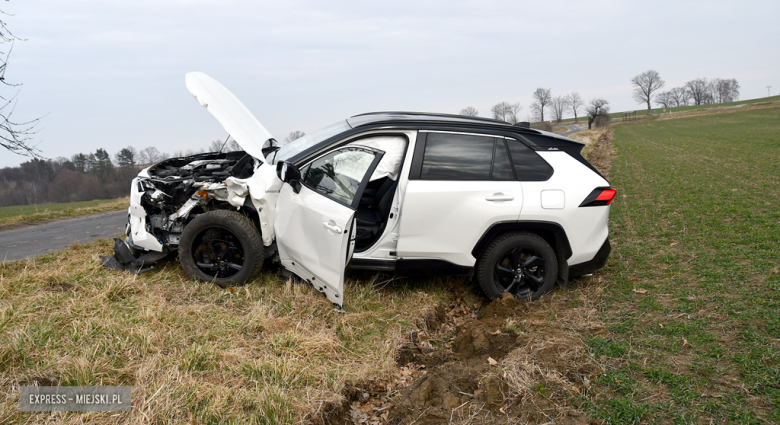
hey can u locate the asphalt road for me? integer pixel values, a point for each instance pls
(30, 241)
(573, 128)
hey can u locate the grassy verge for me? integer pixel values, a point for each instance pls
(694, 278)
(268, 352)
(42, 212)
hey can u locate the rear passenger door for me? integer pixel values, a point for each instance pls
(459, 185)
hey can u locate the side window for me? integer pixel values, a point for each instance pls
(502, 169)
(338, 174)
(528, 165)
(457, 157)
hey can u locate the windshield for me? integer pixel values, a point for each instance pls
(301, 144)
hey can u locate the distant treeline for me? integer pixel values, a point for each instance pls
(90, 176)
(83, 177)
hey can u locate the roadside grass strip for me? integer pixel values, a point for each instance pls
(36, 213)
(268, 352)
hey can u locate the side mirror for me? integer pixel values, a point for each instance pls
(290, 174)
(287, 172)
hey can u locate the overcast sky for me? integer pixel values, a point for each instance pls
(110, 73)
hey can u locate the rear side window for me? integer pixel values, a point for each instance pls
(457, 157)
(528, 165)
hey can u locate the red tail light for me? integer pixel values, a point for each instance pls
(600, 196)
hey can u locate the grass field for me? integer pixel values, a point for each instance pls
(693, 296)
(41, 212)
(682, 326)
(269, 352)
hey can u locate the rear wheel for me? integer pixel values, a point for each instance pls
(522, 264)
(222, 247)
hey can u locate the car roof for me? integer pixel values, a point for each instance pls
(429, 117)
(403, 117)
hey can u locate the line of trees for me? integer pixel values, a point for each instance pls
(89, 176)
(85, 176)
(543, 100)
(700, 91)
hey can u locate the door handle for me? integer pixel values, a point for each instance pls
(499, 197)
(332, 227)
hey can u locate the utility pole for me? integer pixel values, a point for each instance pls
(767, 90)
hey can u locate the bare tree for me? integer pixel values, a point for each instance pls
(150, 155)
(506, 111)
(513, 109)
(542, 98)
(15, 136)
(215, 146)
(297, 134)
(725, 91)
(499, 111)
(559, 105)
(644, 85)
(698, 90)
(575, 103)
(665, 99)
(598, 111)
(681, 96)
(469, 111)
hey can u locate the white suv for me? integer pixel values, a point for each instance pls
(405, 193)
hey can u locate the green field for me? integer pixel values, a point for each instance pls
(693, 300)
(40, 212)
(44, 208)
(642, 111)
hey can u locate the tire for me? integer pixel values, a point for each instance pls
(523, 264)
(222, 247)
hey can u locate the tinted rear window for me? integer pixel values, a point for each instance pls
(457, 157)
(528, 165)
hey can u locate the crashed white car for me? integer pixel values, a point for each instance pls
(406, 193)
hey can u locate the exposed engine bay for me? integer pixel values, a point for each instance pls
(168, 195)
(181, 187)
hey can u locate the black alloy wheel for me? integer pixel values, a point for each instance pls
(521, 264)
(218, 253)
(519, 272)
(223, 247)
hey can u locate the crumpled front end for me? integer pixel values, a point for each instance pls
(165, 197)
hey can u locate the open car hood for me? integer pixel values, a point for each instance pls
(229, 112)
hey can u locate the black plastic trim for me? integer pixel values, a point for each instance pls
(415, 171)
(367, 264)
(599, 261)
(429, 267)
(557, 236)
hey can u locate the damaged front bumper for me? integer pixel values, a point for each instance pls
(165, 197)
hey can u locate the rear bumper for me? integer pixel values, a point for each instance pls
(599, 261)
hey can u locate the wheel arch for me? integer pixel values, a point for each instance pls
(551, 232)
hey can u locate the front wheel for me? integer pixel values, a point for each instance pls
(222, 247)
(522, 264)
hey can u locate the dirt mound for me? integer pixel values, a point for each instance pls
(509, 361)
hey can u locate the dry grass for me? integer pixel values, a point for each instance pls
(37, 213)
(269, 352)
